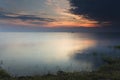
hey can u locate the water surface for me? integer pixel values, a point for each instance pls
(31, 53)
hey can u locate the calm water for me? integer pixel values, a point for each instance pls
(39, 53)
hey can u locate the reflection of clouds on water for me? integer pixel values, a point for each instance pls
(58, 45)
(94, 56)
(22, 52)
(92, 59)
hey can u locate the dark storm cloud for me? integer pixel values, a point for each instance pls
(100, 10)
(12, 16)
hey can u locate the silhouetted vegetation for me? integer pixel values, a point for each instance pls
(117, 47)
(4, 74)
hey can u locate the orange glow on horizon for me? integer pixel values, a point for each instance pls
(53, 24)
(71, 24)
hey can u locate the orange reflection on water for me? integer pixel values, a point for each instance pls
(66, 47)
(47, 46)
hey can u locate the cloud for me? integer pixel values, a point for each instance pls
(21, 19)
(100, 10)
(64, 19)
(5, 15)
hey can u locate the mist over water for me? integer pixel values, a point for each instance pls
(30, 53)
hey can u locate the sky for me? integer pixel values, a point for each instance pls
(59, 14)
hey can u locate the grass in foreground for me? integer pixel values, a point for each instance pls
(117, 47)
(109, 71)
